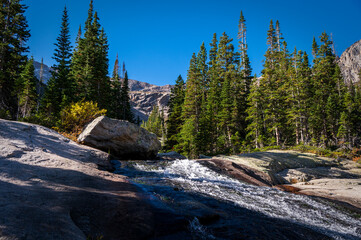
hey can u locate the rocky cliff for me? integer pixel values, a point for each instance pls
(350, 63)
(144, 96)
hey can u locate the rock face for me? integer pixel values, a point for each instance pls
(53, 188)
(144, 96)
(46, 74)
(350, 63)
(121, 138)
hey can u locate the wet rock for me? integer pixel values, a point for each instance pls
(238, 171)
(170, 156)
(121, 138)
(201, 156)
(272, 162)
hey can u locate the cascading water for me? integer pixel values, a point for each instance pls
(191, 176)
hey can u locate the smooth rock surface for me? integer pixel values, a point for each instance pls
(54, 188)
(121, 138)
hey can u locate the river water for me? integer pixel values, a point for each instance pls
(165, 180)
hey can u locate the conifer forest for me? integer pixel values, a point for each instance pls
(220, 108)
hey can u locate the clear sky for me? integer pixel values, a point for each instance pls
(156, 38)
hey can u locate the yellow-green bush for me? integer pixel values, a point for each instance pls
(75, 116)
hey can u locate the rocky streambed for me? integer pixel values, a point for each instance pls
(53, 188)
(217, 206)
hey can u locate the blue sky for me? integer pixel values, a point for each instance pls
(156, 39)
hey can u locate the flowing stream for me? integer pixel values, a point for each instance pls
(192, 177)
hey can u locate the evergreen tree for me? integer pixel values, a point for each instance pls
(14, 34)
(299, 96)
(255, 111)
(26, 89)
(272, 85)
(155, 122)
(116, 102)
(213, 98)
(89, 66)
(174, 122)
(328, 90)
(127, 113)
(227, 60)
(191, 109)
(60, 91)
(243, 87)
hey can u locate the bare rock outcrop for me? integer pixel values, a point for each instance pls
(121, 138)
(143, 96)
(350, 63)
(54, 188)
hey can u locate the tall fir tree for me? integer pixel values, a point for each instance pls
(272, 85)
(243, 86)
(213, 98)
(299, 96)
(89, 66)
(174, 122)
(61, 87)
(191, 111)
(26, 90)
(328, 90)
(14, 34)
(116, 105)
(256, 104)
(127, 113)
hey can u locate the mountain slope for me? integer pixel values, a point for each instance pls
(350, 63)
(144, 96)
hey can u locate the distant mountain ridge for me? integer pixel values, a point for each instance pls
(46, 71)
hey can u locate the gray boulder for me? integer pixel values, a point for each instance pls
(121, 138)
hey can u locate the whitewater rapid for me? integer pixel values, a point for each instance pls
(319, 215)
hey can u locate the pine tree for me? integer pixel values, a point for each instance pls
(329, 89)
(127, 113)
(116, 101)
(14, 34)
(191, 109)
(243, 87)
(89, 66)
(227, 60)
(213, 98)
(174, 122)
(60, 91)
(155, 122)
(255, 111)
(26, 89)
(299, 96)
(272, 84)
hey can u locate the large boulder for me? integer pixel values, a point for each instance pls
(121, 138)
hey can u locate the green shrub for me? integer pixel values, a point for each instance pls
(75, 116)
